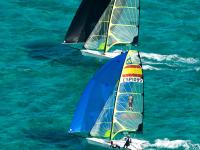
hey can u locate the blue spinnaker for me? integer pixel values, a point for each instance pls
(96, 94)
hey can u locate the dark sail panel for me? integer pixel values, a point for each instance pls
(85, 20)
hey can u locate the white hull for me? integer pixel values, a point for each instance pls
(101, 55)
(135, 144)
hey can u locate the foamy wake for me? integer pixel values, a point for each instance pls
(152, 61)
(148, 67)
(166, 144)
(174, 57)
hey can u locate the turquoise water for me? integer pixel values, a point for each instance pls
(42, 80)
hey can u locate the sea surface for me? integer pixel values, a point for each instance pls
(41, 80)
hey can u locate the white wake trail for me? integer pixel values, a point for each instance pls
(153, 61)
(167, 144)
(173, 57)
(148, 67)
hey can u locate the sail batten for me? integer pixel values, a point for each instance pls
(118, 25)
(118, 114)
(125, 25)
(101, 29)
(128, 109)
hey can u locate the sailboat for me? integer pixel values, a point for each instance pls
(116, 23)
(105, 112)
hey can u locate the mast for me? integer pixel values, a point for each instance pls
(110, 17)
(114, 111)
(138, 25)
(131, 76)
(117, 115)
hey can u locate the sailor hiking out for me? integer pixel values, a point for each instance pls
(128, 142)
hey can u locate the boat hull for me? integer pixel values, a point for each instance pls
(101, 55)
(135, 145)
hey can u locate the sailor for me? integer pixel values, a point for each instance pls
(128, 141)
(112, 145)
(130, 102)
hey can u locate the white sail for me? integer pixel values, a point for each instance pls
(97, 38)
(117, 115)
(102, 127)
(128, 111)
(118, 25)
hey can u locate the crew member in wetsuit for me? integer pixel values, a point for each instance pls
(128, 141)
(130, 102)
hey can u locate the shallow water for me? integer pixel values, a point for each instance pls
(42, 80)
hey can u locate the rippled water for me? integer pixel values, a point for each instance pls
(42, 80)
